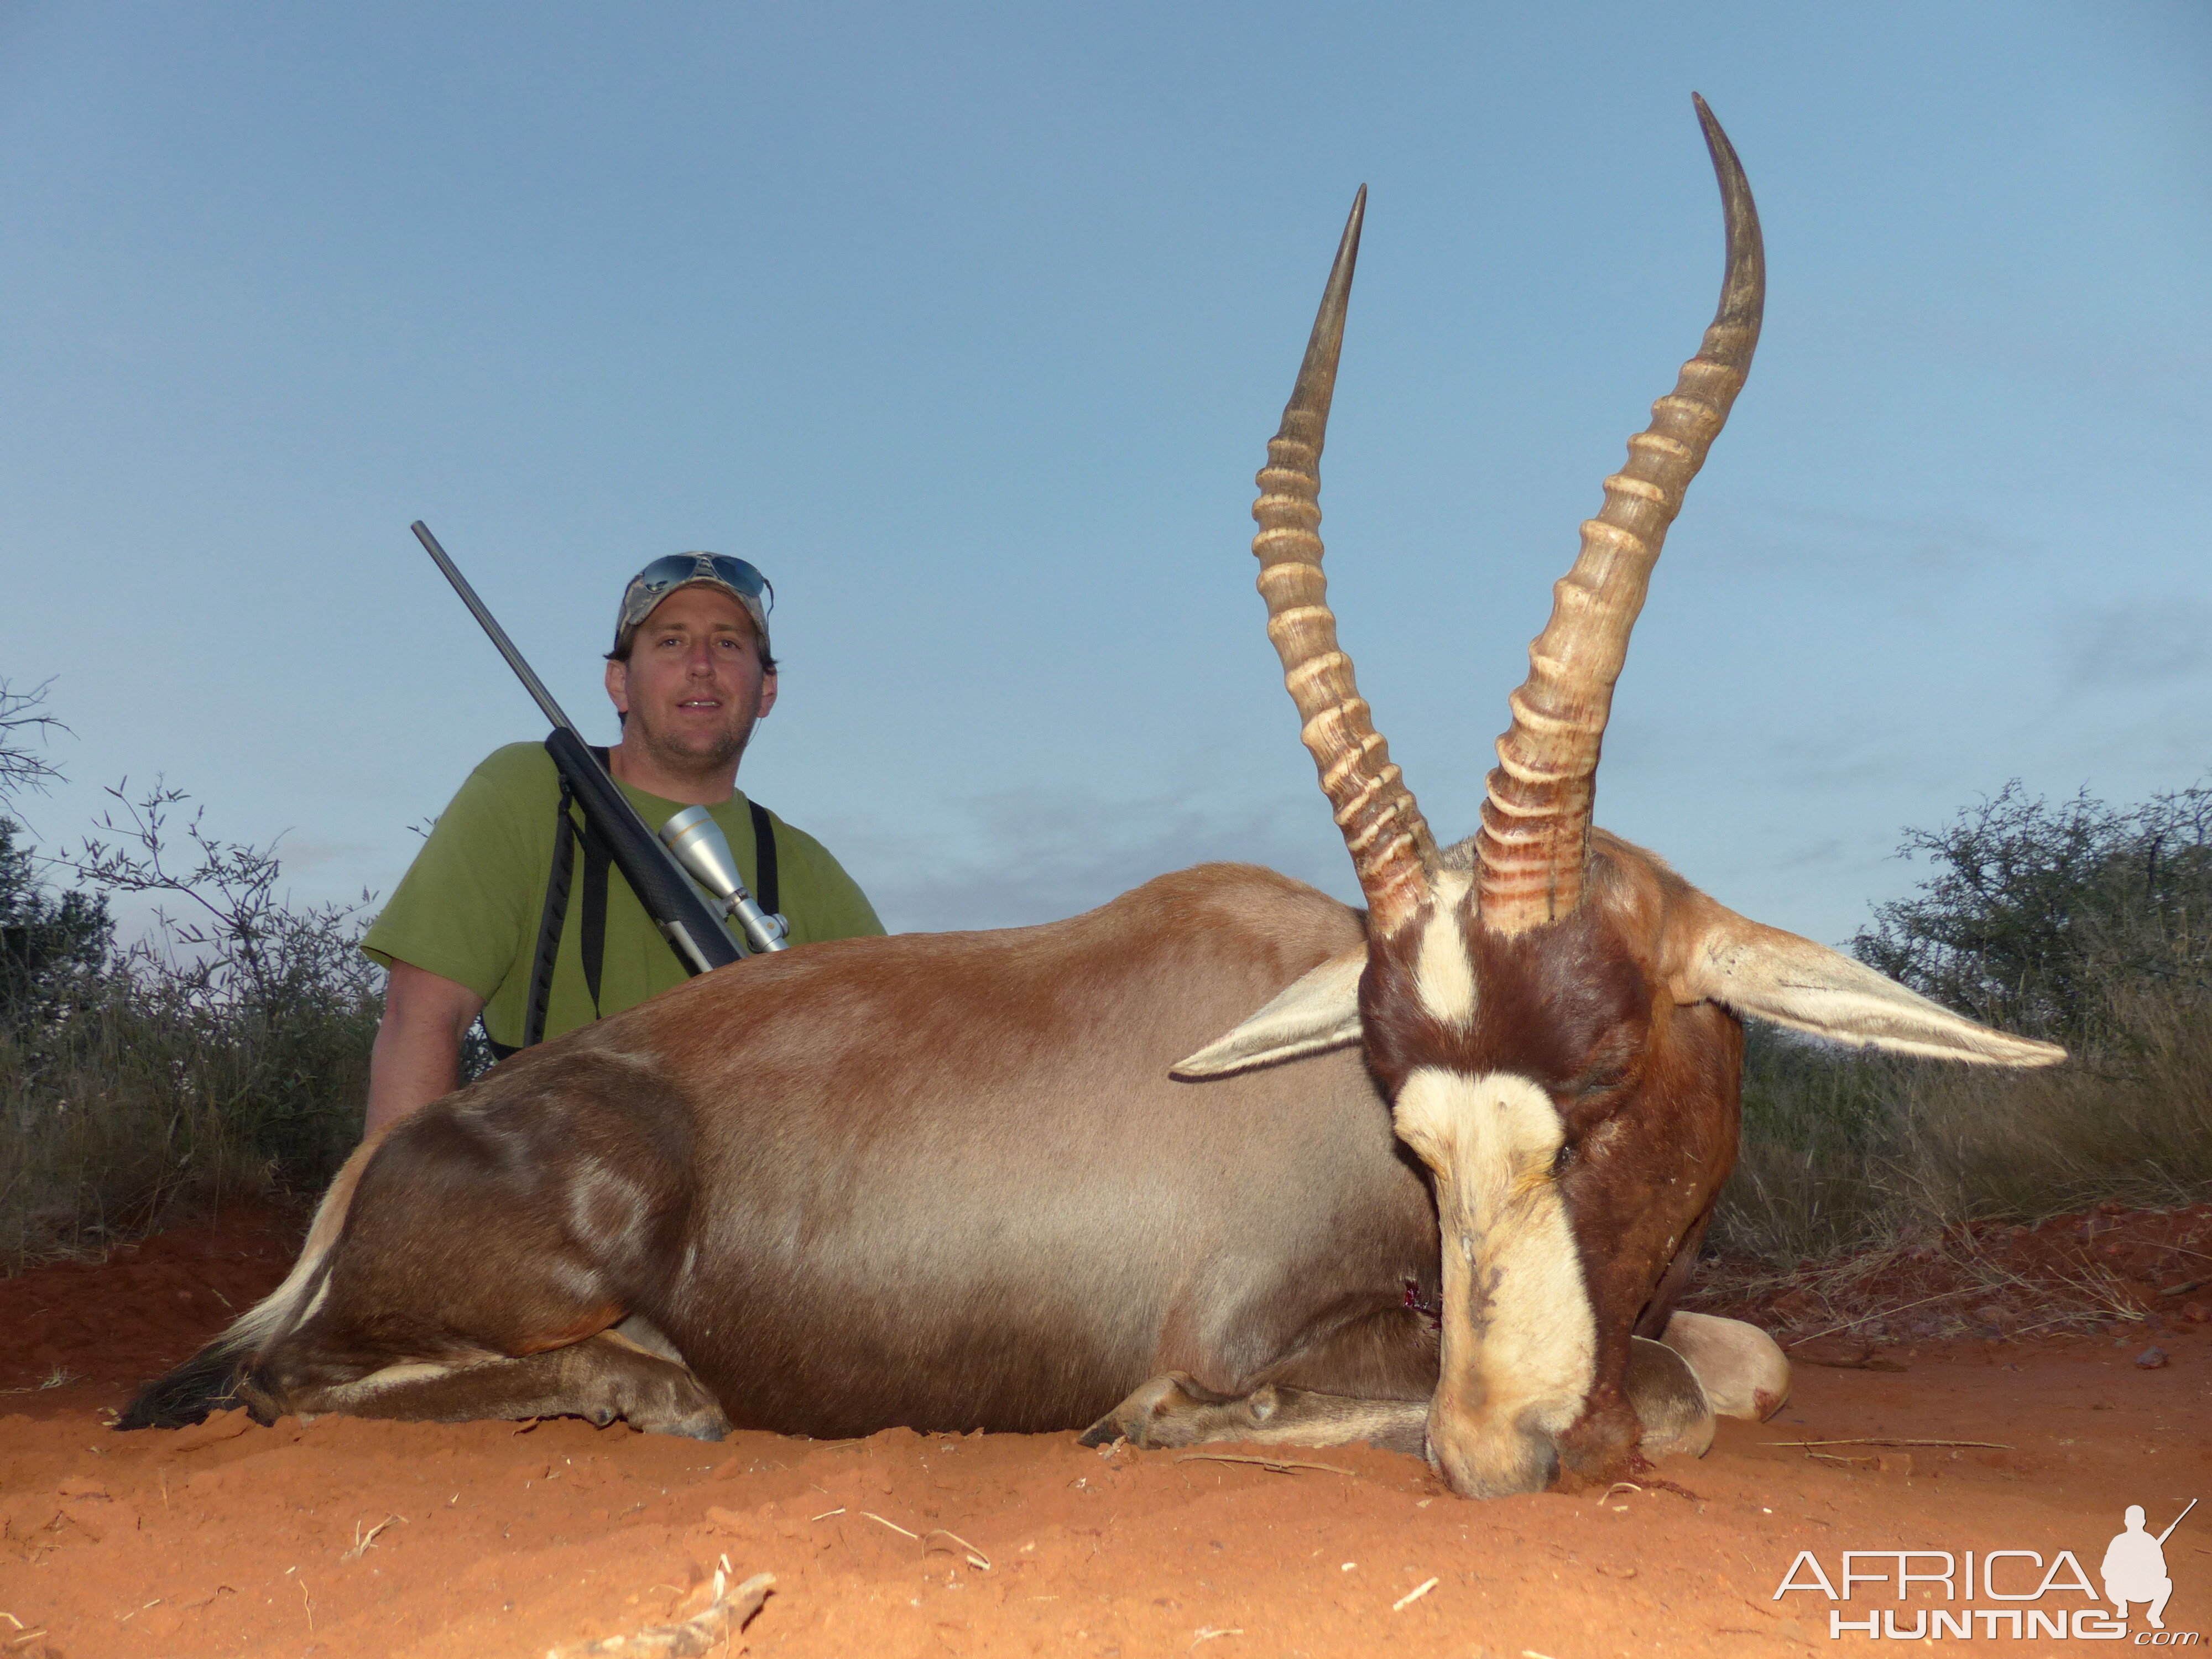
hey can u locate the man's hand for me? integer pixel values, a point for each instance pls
(417, 1057)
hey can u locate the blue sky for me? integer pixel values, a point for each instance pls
(969, 325)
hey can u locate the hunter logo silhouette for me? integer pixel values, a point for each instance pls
(2134, 1566)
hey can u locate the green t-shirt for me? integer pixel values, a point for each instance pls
(468, 907)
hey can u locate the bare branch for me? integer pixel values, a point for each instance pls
(22, 715)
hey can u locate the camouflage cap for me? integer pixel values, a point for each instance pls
(735, 577)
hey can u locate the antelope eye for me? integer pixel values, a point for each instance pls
(1601, 1081)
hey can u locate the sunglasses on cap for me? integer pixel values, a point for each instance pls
(740, 580)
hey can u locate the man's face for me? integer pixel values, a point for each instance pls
(693, 685)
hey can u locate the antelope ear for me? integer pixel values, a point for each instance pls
(1712, 954)
(1320, 1012)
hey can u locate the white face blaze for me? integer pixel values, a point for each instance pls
(1442, 976)
(1520, 1340)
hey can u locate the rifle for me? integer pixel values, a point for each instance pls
(656, 871)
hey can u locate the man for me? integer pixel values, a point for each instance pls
(690, 675)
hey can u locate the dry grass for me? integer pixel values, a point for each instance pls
(1886, 1199)
(2113, 1271)
(1855, 1299)
(1842, 1152)
(142, 1103)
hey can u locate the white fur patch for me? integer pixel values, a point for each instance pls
(1513, 1278)
(604, 1207)
(1443, 976)
(349, 1394)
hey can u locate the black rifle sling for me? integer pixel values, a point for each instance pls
(764, 889)
(598, 858)
(549, 926)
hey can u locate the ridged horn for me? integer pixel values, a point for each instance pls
(1382, 828)
(1536, 819)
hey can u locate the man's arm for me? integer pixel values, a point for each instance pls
(417, 1057)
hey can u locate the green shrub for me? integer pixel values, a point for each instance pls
(2048, 919)
(50, 944)
(225, 1055)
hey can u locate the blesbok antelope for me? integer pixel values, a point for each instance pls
(1010, 1179)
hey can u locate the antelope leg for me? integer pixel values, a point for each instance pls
(602, 1378)
(1175, 1410)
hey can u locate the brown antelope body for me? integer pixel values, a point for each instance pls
(1430, 1192)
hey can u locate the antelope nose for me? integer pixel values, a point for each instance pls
(1496, 1461)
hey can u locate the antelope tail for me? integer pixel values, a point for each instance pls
(208, 1382)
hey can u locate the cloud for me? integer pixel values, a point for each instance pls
(1015, 857)
(1769, 533)
(317, 852)
(2143, 644)
(1823, 855)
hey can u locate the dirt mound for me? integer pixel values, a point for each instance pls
(116, 1322)
(345, 1537)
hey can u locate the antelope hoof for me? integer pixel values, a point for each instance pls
(708, 1425)
(609, 1376)
(1176, 1411)
(686, 1409)
(1744, 1370)
(1669, 1400)
(264, 1403)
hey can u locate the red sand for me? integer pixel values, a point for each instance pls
(346, 1537)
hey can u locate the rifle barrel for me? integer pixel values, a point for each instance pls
(530, 682)
(2178, 1519)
